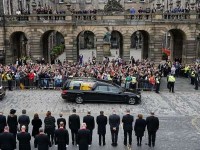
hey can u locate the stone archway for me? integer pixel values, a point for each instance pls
(140, 45)
(86, 45)
(116, 44)
(18, 45)
(53, 45)
(175, 43)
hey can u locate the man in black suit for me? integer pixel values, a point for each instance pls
(7, 140)
(24, 120)
(90, 123)
(127, 121)
(61, 119)
(114, 121)
(2, 122)
(83, 138)
(74, 125)
(24, 139)
(101, 122)
(42, 141)
(152, 123)
(61, 137)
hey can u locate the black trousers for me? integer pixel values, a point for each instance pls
(151, 137)
(102, 138)
(171, 86)
(10, 85)
(127, 134)
(139, 140)
(157, 87)
(114, 134)
(91, 132)
(62, 146)
(74, 135)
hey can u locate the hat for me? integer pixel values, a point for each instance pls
(12, 111)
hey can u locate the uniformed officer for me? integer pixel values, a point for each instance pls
(157, 78)
(196, 81)
(171, 80)
(192, 77)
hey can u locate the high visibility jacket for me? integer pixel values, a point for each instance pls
(171, 78)
(109, 78)
(186, 69)
(133, 80)
(193, 74)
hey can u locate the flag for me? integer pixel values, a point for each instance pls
(166, 51)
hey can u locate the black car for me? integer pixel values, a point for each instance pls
(80, 91)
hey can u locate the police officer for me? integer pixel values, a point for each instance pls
(196, 80)
(9, 79)
(192, 77)
(157, 78)
(171, 80)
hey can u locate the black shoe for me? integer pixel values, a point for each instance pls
(149, 145)
(104, 144)
(116, 144)
(72, 143)
(138, 144)
(153, 145)
(99, 144)
(113, 144)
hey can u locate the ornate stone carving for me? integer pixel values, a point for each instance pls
(113, 6)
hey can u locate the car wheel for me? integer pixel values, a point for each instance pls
(79, 100)
(132, 101)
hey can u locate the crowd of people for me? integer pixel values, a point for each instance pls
(136, 74)
(81, 133)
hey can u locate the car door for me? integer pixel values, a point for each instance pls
(100, 93)
(114, 94)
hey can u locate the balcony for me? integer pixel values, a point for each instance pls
(101, 18)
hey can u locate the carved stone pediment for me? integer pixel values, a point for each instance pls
(113, 6)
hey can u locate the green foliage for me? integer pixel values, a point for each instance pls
(57, 50)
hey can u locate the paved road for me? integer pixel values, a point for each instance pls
(178, 113)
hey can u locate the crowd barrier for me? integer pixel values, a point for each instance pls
(51, 83)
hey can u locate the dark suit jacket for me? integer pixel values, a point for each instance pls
(102, 122)
(42, 142)
(89, 120)
(61, 120)
(24, 140)
(12, 123)
(83, 139)
(152, 124)
(2, 123)
(127, 122)
(24, 120)
(114, 121)
(74, 122)
(139, 128)
(61, 136)
(7, 141)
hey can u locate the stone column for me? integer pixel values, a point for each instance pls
(126, 47)
(99, 48)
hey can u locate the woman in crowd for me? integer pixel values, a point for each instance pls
(37, 124)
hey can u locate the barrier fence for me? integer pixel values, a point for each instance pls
(51, 83)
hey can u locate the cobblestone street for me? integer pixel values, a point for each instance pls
(178, 113)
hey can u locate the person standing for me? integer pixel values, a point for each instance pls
(61, 119)
(9, 79)
(171, 80)
(114, 121)
(62, 137)
(83, 137)
(127, 121)
(2, 122)
(42, 141)
(74, 125)
(7, 140)
(152, 123)
(49, 124)
(37, 124)
(24, 120)
(196, 81)
(157, 83)
(90, 124)
(12, 123)
(24, 139)
(101, 122)
(139, 128)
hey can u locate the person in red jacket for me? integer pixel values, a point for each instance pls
(31, 79)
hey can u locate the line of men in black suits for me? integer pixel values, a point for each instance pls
(82, 135)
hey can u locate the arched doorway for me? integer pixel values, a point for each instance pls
(18, 41)
(174, 43)
(53, 45)
(116, 44)
(139, 45)
(86, 45)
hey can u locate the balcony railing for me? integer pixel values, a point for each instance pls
(102, 18)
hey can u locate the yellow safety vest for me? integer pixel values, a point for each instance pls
(193, 74)
(171, 79)
(133, 80)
